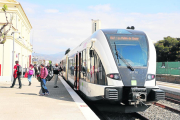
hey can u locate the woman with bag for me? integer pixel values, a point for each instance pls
(30, 73)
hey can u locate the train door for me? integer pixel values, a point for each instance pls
(92, 65)
(77, 70)
(66, 68)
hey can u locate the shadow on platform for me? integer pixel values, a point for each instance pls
(27, 93)
(4, 87)
(55, 93)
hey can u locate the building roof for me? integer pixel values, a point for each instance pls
(16, 3)
(6, 1)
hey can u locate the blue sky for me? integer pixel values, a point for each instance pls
(141, 6)
(56, 23)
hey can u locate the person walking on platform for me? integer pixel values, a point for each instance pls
(49, 67)
(56, 71)
(43, 75)
(17, 74)
(35, 70)
(30, 73)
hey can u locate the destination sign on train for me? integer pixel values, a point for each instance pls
(123, 38)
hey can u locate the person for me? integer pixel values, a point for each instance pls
(48, 67)
(56, 71)
(43, 75)
(60, 69)
(75, 82)
(16, 75)
(30, 73)
(36, 70)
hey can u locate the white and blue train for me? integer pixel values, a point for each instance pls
(117, 65)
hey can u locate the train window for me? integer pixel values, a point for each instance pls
(92, 69)
(63, 65)
(83, 65)
(96, 71)
(74, 64)
(102, 75)
(71, 68)
(80, 65)
(132, 48)
(99, 72)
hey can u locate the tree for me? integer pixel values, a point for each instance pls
(168, 49)
(4, 34)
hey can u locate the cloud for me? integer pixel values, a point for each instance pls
(29, 8)
(105, 7)
(54, 33)
(51, 11)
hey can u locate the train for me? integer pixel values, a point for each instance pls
(116, 65)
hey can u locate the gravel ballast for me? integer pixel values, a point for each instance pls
(157, 113)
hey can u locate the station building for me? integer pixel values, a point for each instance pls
(22, 47)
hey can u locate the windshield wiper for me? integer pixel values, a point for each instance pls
(118, 55)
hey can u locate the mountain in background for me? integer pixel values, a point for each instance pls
(55, 58)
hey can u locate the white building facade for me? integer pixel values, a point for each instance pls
(22, 47)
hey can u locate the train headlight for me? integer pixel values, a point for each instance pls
(150, 77)
(114, 76)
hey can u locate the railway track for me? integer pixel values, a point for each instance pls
(167, 107)
(172, 97)
(172, 100)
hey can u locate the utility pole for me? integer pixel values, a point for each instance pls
(13, 56)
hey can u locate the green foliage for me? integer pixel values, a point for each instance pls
(3, 32)
(50, 62)
(5, 7)
(168, 49)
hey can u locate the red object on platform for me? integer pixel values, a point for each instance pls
(26, 75)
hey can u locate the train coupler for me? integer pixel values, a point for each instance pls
(137, 96)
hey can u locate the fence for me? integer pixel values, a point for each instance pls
(168, 68)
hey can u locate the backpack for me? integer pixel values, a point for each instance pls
(30, 72)
(49, 76)
(56, 70)
(19, 70)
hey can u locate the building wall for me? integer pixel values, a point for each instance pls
(22, 46)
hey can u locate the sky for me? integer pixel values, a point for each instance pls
(62, 24)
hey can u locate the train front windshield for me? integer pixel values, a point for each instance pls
(131, 49)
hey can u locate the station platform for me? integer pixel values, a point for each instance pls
(26, 104)
(172, 87)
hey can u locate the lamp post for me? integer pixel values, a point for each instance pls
(13, 56)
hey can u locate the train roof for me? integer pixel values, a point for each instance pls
(106, 31)
(122, 31)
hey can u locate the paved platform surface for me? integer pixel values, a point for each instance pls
(169, 86)
(26, 104)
